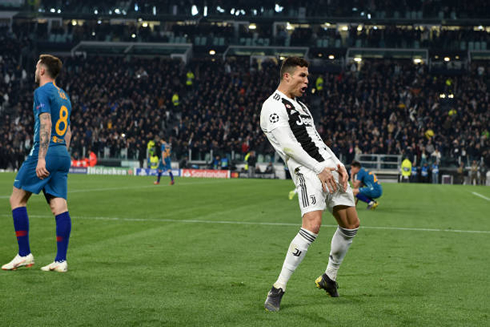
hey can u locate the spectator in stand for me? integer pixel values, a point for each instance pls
(474, 173)
(461, 172)
(435, 172)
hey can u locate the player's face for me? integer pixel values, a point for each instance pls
(299, 81)
(354, 170)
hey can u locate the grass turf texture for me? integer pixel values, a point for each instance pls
(205, 252)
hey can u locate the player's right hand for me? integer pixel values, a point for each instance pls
(41, 170)
(327, 179)
(343, 176)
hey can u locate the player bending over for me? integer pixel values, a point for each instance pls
(366, 185)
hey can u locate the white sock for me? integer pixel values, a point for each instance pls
(341, 241)
(296, 253)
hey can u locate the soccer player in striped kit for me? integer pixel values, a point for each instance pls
(319, 176)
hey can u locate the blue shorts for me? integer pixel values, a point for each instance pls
(58, 164)
(165, 164)
(372, 191)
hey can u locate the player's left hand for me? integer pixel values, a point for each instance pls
(41, 170)
(343, 176)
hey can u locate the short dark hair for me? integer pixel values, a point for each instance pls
(53, 64)
(355, 164)
(290, 64)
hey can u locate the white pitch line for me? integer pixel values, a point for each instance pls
(124, 188)
(481, 196)
(196, 221)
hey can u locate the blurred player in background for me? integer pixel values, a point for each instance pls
(46, 167)
(366, 185)
(165, 163)
(320, 178)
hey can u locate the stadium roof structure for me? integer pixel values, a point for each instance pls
(386, 53)
(173, 50)
(479, 55)
(266, 51)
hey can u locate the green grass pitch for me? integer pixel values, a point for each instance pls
(205, 252)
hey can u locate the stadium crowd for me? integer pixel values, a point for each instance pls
(380, 107)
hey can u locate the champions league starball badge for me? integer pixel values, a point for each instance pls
(274, 118)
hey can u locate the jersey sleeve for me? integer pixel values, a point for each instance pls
(292, 148)
(273, 116)
(42, 102)
(360, 175)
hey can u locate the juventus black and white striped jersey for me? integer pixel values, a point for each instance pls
(289, 126)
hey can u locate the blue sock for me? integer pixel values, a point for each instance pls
(63, 229)
(159, 175)
(363, 198)
(21, 225)
(171, 175)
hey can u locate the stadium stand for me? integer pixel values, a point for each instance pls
(372, 106)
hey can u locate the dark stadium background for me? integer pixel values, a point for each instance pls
(401, 79)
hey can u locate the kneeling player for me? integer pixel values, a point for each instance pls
(366, 186)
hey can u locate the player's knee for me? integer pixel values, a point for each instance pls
(58, 206)
(312, 221)
(13, 202)
(53, 209)
(355, 224)
(16, 202)
(314, 228)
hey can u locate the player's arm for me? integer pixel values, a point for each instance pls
(292, 148)
(68, 137)
(356, 184)
(45, 125)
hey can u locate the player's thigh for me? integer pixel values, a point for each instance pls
(371, 192)
(58, 184)
(340, 198)
(58, 205)
(346, 216)
(310, 192)
(367, 191)
(312, 221)
(19, 198)
(27, 179)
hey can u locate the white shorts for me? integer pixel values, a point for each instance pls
(312, 197)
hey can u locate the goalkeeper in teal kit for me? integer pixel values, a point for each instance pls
(366, 186)
(46, 168)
